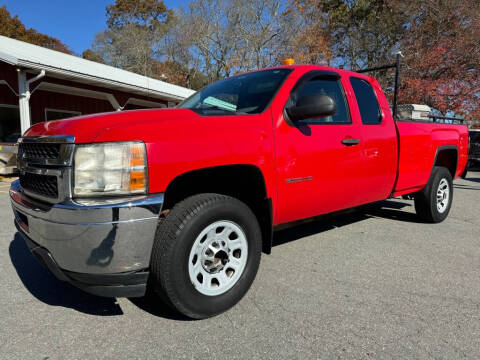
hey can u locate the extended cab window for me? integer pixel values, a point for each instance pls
(329, 87)
(367, 101)
(248, 93)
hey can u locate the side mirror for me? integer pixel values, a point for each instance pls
(312, 106)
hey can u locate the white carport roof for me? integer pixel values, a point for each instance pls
(69, 67)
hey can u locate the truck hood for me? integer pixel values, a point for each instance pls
(88, 128)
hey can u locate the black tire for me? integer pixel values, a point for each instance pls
(171, 250)
(426, 200)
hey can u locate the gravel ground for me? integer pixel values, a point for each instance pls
(372, 284)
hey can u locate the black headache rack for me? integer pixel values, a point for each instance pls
(396, 66)
(446, 119)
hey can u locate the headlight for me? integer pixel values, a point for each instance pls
(109, 169)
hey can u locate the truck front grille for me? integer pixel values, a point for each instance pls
(45, 167)
(38, 151)
(44, 185)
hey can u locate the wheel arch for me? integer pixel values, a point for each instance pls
(241, 181)
(447, 156)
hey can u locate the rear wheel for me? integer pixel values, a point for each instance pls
(206, 255)
(433, 203)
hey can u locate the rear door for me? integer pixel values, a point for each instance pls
(379, 139)
(319, 161)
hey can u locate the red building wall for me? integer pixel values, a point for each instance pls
(9, 74)
(41, 99)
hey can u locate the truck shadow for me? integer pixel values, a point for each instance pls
(156, 307)
(387, 209)
(466, 187)
(472, 179)
(46, 288)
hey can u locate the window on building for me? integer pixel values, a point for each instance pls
(9, 123)
(55, 114)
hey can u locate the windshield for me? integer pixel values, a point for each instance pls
(242, 94)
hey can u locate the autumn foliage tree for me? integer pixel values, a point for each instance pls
(13, 28)
(349, 33)
(133, 38)
(442, 56)
(313, 40)
(205, 41)
(222, 37)
(152, 14)
(210, 39)
(92, 56)
(439, 38)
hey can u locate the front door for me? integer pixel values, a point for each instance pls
(319, 161)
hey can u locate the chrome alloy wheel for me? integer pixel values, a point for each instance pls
(443, 195)
(218, 258)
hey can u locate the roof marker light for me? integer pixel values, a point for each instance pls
(288, 61)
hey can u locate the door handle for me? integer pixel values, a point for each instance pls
(350, 142)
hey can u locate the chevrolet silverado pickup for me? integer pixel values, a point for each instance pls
(183, 201)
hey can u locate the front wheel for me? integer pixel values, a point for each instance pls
(206, 255)
(433, 203)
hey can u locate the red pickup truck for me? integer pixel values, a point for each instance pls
(186, 199)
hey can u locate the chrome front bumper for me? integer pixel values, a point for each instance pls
(104, 237)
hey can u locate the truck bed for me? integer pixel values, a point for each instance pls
(419, 143)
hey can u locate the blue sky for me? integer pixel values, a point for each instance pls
(75, 23)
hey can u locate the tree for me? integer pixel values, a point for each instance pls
(152, 14)
(131, 40)
(439, 38)
(222, 37)
(129, 48)
(92, 56)
(175, 73)
(351, 33)
(13, 28)
(443, 57)
(135, 40)
(313, 42)
(212, 39)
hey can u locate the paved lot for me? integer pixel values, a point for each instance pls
(373, 284)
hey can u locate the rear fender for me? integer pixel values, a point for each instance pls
(447, 156)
